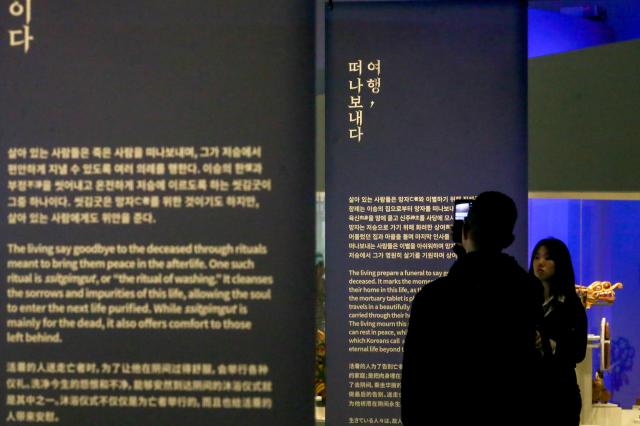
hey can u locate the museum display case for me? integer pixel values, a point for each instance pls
(604, 239)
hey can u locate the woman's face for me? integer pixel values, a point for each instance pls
(543, 266)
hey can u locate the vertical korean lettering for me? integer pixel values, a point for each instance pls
(21, 36)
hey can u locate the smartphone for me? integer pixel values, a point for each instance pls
(460, 212)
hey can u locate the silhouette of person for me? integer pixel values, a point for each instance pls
(470, 347)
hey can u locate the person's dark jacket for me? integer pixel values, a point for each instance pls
(565, 322)
(470, 350)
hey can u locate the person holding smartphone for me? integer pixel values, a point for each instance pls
(470, 348)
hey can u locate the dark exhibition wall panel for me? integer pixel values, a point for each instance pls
(157, 219)
(426, 103)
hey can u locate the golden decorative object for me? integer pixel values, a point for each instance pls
(598, 293)
(320, 385)
(600, 394)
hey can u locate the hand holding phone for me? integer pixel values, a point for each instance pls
(460, 212)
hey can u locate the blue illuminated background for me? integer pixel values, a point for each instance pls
(602, 235)
(604, 240)
(554, 32)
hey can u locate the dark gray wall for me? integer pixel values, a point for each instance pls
(583, 120)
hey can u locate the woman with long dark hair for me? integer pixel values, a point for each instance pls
(564, 331)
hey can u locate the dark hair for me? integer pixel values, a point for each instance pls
(563, 281)
(491, 219)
